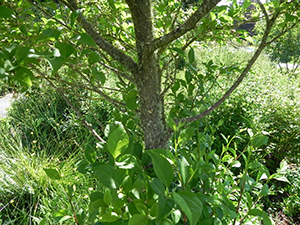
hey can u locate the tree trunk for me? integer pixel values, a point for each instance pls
(148, 76)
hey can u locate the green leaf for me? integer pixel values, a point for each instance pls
(117, 141)
(94, 57)
(55, 63)
(157, 186)
(8, 66)
(21, 53)
(188, 76)
(246, 4)
(162, 168)
(264, 190)
(6, 12)
(99, 75)
(108, 218)
(185, 170)
(279, 177)
(52, 174)
(190, 204)
(262, 214)
(126, 161)
(24, 76)
(86, 39)
(179, 51)
(111, 3)
(186, 134)
(258, 141)
(289, 17)
(74, 17)
(107, 198)
(90, 154)
(165, 205)
(138, 219)
(191, 55)
(48, 33)
(108, 176)
(176, 215)
(65, 49)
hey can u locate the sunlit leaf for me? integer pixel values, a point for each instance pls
(162, 168)
(52, 174)
(190, 204)
(86, 40)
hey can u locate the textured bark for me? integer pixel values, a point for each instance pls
(148, 77)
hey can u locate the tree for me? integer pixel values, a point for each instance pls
(140, 56)
(139, 43)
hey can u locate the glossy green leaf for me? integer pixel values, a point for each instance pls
(52, 174)
(279, 177)
(6, 12)
(108, 176)
(55, 63)
(162, 168)
(117, 141)
(176, 215)
(94, 57)
(86, 40)
(24, 76)
(108, 218)
(190, 204)
(165, 205)
(157, 186)
(138, 219)
(127, 161)
(262, 214)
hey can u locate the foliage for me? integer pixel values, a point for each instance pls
(44, 120)
(189, 183)
(27, 195)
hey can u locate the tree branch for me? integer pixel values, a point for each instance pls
(257, 53)
(79, 114)
(202, 11)
(111, 50)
